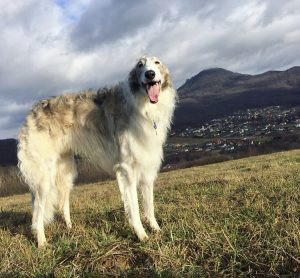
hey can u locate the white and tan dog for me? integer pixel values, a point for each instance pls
(120, 129)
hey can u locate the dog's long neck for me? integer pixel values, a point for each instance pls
(159, 115)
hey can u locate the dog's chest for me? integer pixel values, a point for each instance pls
(143, 145)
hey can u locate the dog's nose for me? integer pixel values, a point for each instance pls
(150, 74)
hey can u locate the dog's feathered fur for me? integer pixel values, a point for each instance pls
(118, 129)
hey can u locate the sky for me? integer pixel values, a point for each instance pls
(48, 47)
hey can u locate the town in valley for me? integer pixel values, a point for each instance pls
(253, 130)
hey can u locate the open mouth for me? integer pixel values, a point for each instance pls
(153, 89)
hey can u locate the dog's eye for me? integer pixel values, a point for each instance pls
(140, 64)
(157, 62)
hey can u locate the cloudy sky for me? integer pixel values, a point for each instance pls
(52, 46)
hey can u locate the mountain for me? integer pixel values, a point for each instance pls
(8, 152)
(217, 92)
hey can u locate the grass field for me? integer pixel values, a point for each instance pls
(233, 219)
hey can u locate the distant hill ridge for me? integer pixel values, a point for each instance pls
(210, 81)
(8, 152)
(217, 92)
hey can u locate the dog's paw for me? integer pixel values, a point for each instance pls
(42, 244)
(154, 225)
(143, 237)
(156, 229)
(69, 225)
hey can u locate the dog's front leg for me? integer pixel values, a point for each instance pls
(127, 182)
(147, 184)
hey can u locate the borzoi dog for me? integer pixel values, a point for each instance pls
(120, 129)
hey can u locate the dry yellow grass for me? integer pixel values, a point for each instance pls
(232, 219)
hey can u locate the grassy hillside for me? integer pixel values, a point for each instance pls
(232, 219)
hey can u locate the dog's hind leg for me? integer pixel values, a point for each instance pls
(64, 182)
(44, 200)
(146, 185)
(127, 182)
(38, 215)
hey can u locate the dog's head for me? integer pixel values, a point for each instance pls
(149, 77)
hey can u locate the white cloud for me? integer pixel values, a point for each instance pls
(48, 47)
(4, 121)
(13, 107)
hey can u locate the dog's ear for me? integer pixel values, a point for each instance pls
(167, 79)
(133, 80)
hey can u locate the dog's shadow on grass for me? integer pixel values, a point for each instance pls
(113, 221)
(17, 223)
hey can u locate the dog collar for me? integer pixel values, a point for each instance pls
(155, 126)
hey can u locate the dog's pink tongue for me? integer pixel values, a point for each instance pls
(153, 92)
